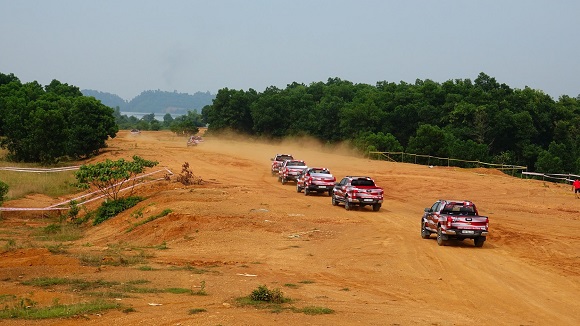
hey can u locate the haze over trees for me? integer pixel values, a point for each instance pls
(472, 120)
(160, 102)
(47, 124)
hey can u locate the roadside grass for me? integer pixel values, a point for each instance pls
(149, 219)
(196, 311)
(25, 309)
(59, 232)
(307, 282)
(275, 301)
(189, 268)
(53, 184)
(114, 289)
(120, 254)
(291, 285)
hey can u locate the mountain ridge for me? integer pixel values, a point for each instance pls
(155, 101)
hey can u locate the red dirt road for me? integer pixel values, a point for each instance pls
(242, 228)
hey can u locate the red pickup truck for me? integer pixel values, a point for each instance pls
(454, 219)
(290, 170)
(278, 160)
(357, 191)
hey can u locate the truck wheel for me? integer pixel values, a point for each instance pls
(478, 242)
(306, 191)
(330, 192)
(376, 207)
(334, 202)
(440, 240)
(283, 180)
(425, 234)
(298, 189)
(347, 205)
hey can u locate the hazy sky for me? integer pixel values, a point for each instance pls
(129, 46)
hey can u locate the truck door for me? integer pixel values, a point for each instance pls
(432, 218)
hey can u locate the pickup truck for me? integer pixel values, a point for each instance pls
(357, 191)
(315, 179)
(454, 219)
(290, 170)
(278, 160)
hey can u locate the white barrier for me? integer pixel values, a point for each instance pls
(554, 176)
(40, 170)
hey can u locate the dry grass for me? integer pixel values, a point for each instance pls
(52, 184)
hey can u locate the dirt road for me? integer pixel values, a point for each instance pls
(242, 228)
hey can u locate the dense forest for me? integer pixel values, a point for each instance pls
(464, 119)
(155, 101)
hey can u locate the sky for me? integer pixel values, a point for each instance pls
(126, 47)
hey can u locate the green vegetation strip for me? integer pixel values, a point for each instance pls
(58, 310)
(149, 219)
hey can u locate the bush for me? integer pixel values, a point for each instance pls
(262, 293)
(3, 191)
(113, 207)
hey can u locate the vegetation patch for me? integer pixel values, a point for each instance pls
(165, 212)
(60, 232)
(28, 310)
(111, 208)
(116, 255)
(314, 310)
(196, 311)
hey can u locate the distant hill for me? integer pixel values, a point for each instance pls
(155, 101)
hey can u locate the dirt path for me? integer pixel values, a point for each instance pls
(242, 229)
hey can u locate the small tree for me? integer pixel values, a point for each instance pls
(110, 177)
(3, 191)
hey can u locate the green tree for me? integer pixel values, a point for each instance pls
(90, 124)
(111, 177)
(3, 191)
(429, 140)
(187, 124)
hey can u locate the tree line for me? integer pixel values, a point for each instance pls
(464, 119)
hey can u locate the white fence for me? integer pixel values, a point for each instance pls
(553, 177)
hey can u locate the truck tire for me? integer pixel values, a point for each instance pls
(330, 192)
(298, 189)
(334, 202)
(440, 236)
(376, 207)
(306, 191)
(478, 242)
(425, 234)
(283, 180)
(347, 205)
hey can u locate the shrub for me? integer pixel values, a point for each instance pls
(3, 191)
(262, 293)
(113, 207)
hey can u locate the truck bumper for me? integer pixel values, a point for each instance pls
(466, 233)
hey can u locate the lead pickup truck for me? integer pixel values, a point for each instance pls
(454, 219)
